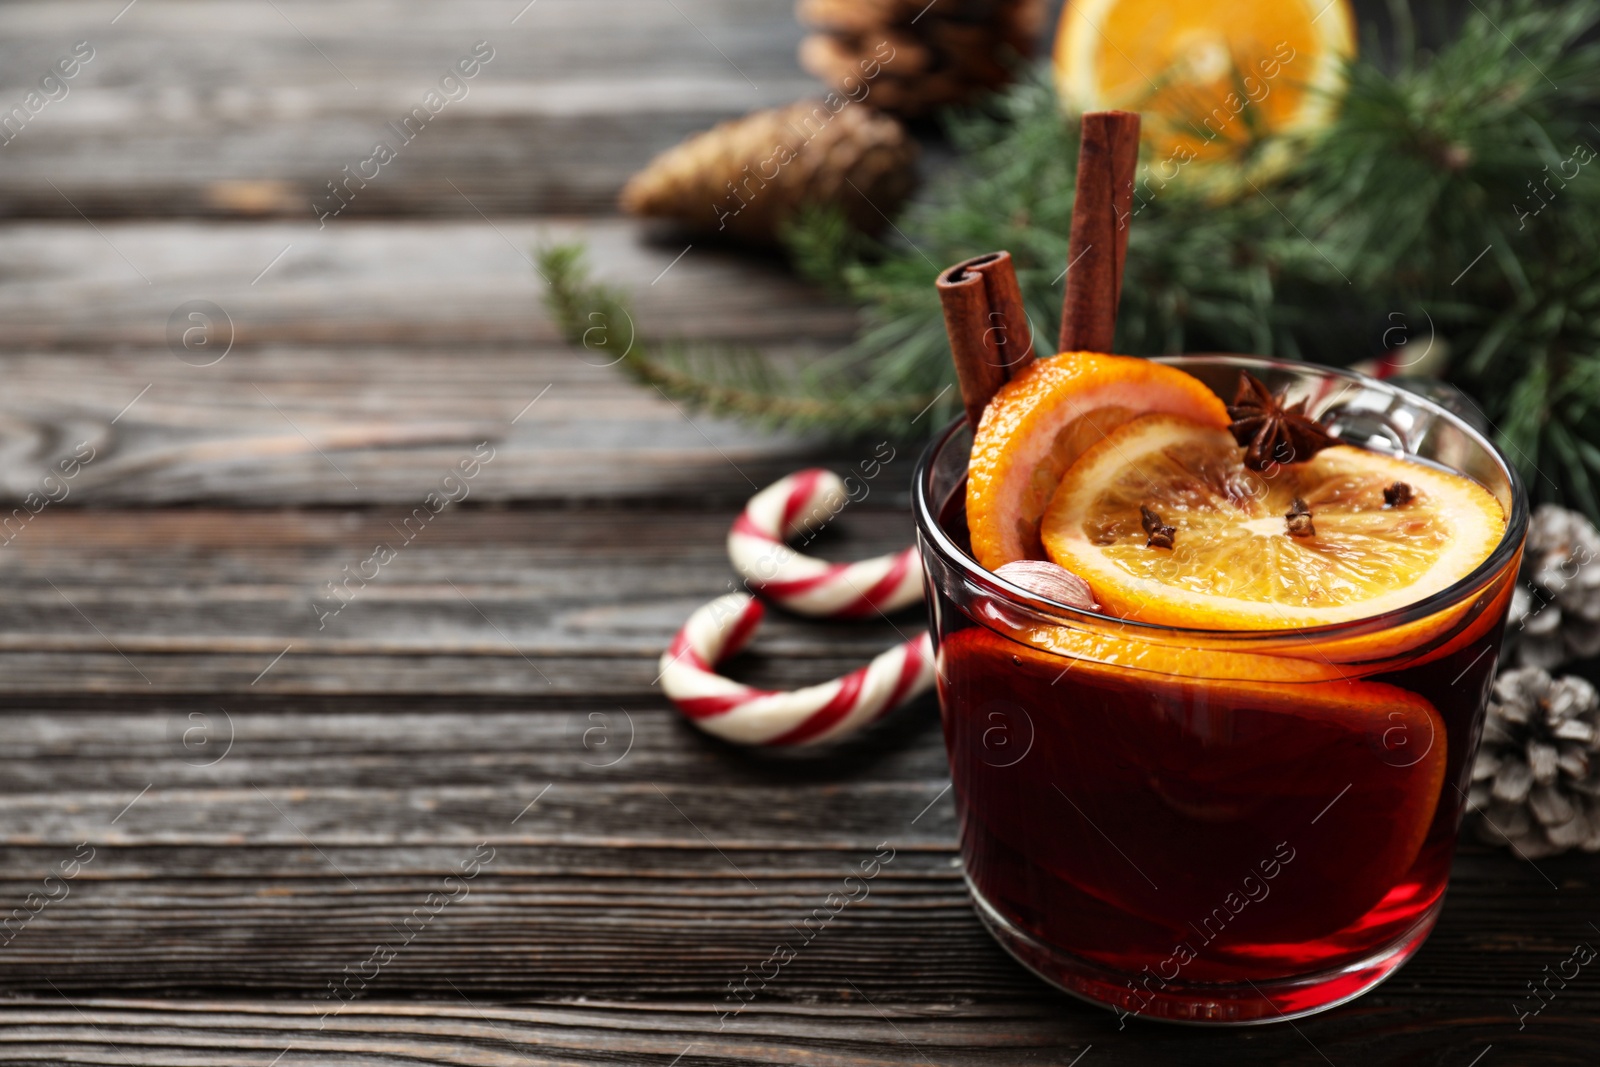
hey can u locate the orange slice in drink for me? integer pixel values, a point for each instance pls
(1211, 82)
(1381, 533)
(1108, 651)
(1157, 787)
(1469, 627)
(1042, 420)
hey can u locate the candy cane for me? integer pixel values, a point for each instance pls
(743, 714)
(803, 502)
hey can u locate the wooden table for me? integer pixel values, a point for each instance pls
(231, 818)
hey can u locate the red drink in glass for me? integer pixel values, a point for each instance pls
(1215, 826)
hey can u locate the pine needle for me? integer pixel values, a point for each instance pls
(723, 379)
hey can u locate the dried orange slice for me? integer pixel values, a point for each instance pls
(1211, 81)
(1042, 420)
(1234, 563)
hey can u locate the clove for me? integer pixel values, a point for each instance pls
(1160, 534)
(1298, 518)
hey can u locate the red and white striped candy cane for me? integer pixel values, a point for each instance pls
(804, 502)
(743, 714)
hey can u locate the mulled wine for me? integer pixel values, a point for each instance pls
(1217, 824)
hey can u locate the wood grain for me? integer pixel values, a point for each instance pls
(314, 426)
(445, 284)
(532, 602)
(239, 108)
(875, 1033)
(305, 392)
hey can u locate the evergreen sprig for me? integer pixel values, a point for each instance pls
(1451, 186)
(720, 379)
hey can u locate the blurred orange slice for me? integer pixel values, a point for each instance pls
(1210, 80)
(1042, 420)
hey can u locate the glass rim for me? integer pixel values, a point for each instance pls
(924, 512)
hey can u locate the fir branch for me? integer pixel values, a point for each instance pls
(1464, 152)
(723, 379)
(820, 241)
(1446, 183)
(1426, 168)
(1536, 369)
(1200, 275)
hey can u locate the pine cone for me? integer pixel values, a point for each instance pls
(1555, 612)
(748, 176)
(1536, 783)
(910, 56)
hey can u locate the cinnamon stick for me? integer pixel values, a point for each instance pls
(1010, 319)
(990, 340)
(1108, 159)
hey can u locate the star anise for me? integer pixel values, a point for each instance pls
(1160, 534)
(1270, 431)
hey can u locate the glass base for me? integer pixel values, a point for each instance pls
(1203, 1004)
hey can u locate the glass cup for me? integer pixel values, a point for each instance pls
(1216, 826)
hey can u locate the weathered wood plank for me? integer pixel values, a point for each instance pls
(865, 1030)
(543, 604)
(468, 1032)
(81, 745)
(440, 284)
(643, 924)
(258, 106)
(626, 814)
(375, 426)
(278, 422)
